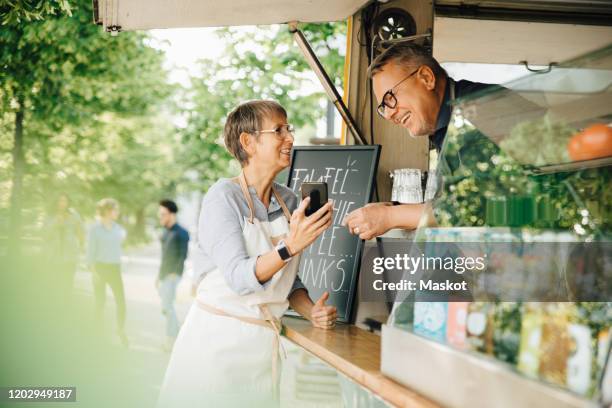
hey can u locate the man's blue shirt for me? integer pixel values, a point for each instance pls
(462, 89)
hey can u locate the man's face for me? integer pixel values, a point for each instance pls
(417, 104)
(164, 216)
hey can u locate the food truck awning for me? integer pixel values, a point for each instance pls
(465, 30)
(147, 14)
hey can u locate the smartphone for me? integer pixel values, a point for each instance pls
(317, 191)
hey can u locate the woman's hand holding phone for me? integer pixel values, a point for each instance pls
(304, 230)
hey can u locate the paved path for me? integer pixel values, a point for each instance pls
(144, 362)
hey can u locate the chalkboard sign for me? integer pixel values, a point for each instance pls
(331, 263)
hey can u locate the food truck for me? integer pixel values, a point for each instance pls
(522, 186)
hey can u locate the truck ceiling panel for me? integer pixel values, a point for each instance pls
(592, 12)
(149, 14)
(568, 6)
(509, 42)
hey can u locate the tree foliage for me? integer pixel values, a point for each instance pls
(475, 170)
(13, 12)
(97, 111)
(86, 100)
(264, 63)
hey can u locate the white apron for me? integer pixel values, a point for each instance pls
(226, 353)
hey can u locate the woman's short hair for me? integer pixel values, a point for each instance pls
(105, 205)
(247, 118)
(406, 54)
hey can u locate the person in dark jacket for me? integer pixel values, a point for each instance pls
(174, 243)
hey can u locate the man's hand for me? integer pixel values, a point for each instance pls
(321, 315)
(369, 221)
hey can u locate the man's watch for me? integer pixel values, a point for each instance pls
(283, 251)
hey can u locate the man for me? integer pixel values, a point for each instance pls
(174, 243)
(414, 92)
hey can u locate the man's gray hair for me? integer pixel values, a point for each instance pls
(406, 54)
(248, 117)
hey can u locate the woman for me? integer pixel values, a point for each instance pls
(104, 259)
(226, 353)
(64, 236)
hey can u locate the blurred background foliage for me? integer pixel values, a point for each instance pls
(267, 65)
(93, 116)
(475, 169)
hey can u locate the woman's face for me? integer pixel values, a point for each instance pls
(111, 214)
(273, 148)
(62, 203)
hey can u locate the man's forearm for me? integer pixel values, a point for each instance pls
(405, 216)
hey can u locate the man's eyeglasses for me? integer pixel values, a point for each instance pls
(280, 132)
(389, 100)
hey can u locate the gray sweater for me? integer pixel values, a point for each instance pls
(220, 240)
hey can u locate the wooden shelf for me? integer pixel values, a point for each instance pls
(356, 353)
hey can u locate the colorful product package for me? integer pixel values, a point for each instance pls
(507, 331)
(531, 338)
(456, 324)
(430, 320)
(606, 381)
(579, 361)
(603, 344)
(479, 327)
(555, 344)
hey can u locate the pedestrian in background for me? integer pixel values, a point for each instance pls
(104, 243)
(63, 242)
(174, 243)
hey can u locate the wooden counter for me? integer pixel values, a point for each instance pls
(356, 353)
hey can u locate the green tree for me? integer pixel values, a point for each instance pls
(141, 171)
(265, 64)
(63, 83)
(19, 11)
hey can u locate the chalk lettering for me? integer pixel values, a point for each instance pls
(296, 178)
(339, 267)
(332, 239)
(327, 175)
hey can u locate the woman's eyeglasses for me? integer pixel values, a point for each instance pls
(280, 132)
(389, 100)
